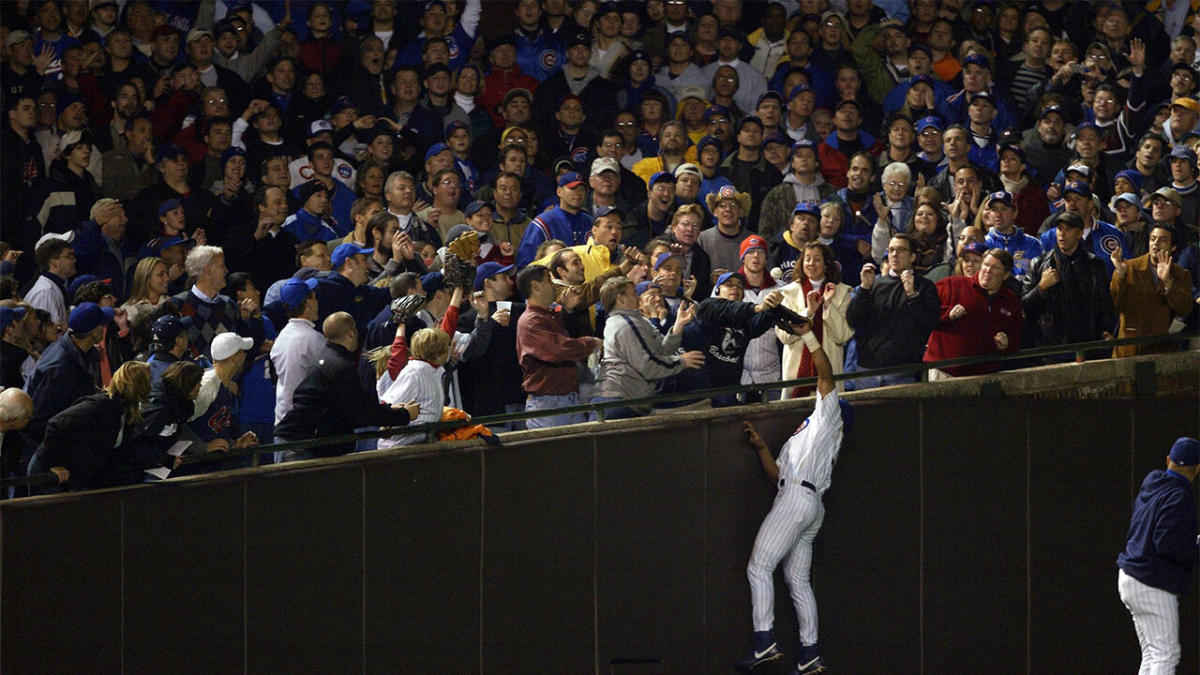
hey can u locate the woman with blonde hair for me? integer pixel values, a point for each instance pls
(150, 280)
(84, 443)
(819, 294)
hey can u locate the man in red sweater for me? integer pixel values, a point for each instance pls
(546, 352)
(980, 315)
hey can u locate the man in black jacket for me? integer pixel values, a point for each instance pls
(893, 316)
(333, 400)
(1066, 296)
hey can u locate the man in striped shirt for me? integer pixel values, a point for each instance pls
(803, 472)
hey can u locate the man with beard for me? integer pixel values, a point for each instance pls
(747, 169)
(672, 151)
(1045, 150)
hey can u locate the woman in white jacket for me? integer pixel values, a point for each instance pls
(819, 272)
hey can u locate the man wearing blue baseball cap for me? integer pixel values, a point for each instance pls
(567, 222)
(1160, 555)
(346, 288)
(68, 370)
(1000, 218)
(298, 344)
(12, 351)
(977, 76)
(1099, 237)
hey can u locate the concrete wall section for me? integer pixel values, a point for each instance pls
(960, 535)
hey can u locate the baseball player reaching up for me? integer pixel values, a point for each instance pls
(802, 472)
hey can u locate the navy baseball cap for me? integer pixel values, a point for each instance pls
(705, 142)
(679, 35)
(981, 96)
(168, 327)
(715, 110)
(347, 250)
(730, 275)
(170, 151)
(160, 244)
(296, 291)
(797, 90)
(88, 316)
(1087, 125)
(811, 208)
(455, 126)
(342, 103)
(1002, 196)
(777, 138)
(231, 152)
(769, 95)
(749, 119)
(432, 283)
(488, 270)
(1182, 152)
(662, 258)
(922, 48)
(804, 143)
(977, 59)
(474, 207)
(81, 281)
(168, 206)
(435, 149)
(1010, 147)
(920, 79)
(1078, 187)
(930, 121)
(1052, 109)
(644, 286)
(661, 176)
(976, 247)
(1185, 451)
(8, 315)
(570, 179)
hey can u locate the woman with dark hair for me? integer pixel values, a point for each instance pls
(256, 392)
(84, 444)
(819, 294)
(468, 87)
(369, 180)
(928, 228)
(311, 103)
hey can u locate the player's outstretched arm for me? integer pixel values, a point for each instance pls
(824, 368)
(764, 453)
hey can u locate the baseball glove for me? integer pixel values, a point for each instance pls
(406, 307)
(458, 272)
(465, 246)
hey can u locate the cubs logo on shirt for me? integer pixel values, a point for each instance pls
(802, 427)
(344, 172)
(1110, 243)
(548, 58)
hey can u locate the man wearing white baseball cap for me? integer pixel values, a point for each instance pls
(213, 417)
(56, 258)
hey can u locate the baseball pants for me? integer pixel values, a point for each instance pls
(1156, 620)
(789, 528)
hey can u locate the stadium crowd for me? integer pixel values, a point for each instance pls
(227, 223)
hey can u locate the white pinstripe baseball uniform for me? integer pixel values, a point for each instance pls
(805, 465)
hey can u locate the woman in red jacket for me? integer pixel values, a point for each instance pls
(980, 315)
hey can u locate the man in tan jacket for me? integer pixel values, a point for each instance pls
(1148, 292)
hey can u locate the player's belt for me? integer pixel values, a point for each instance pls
(803, 483)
